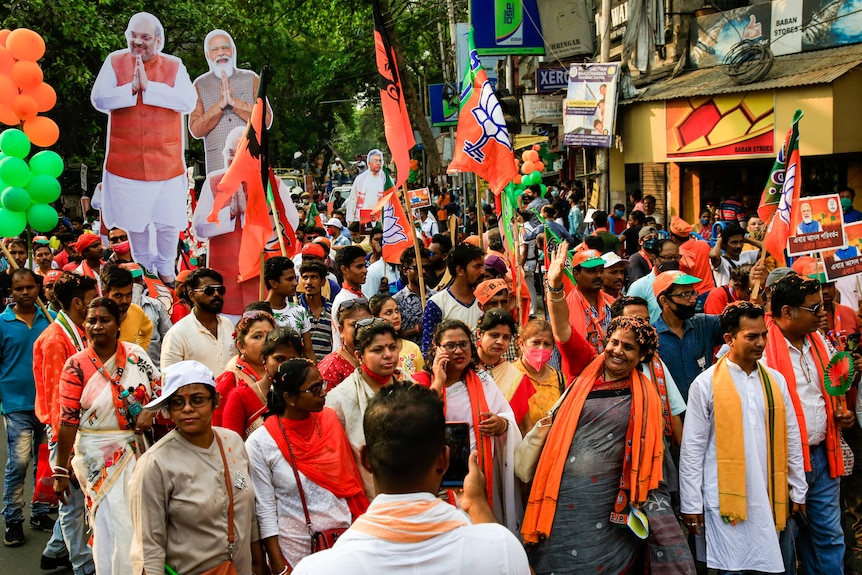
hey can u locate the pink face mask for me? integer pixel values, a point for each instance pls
(537, 357)
(122, 248)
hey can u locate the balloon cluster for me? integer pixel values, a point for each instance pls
(27, 187)
(23, 94)
(531, 170)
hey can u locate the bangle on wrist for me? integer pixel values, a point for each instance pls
(554, 290)
(283, 571)
(556, 300)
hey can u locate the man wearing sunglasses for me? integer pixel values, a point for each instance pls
(795, 349)
(686, 342)
(204, 335)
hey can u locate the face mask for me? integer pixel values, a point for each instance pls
(122, 248)
(846, 203)
(537, 357)
(704, 221)
(649, 245)
(683, 312)
(619, 213)
(668, 266)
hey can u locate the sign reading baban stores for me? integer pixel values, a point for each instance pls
(724, 125)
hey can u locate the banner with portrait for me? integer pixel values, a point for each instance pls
(816, 224)
(846, 261)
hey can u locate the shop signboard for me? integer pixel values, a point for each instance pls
(721, 126)
(550, 80)
(543, 109)
(444, 100)
(591, 105)
(816, 224)
(567, 27)
(516, 28)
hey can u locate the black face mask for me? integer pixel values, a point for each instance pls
(683, 312)
(649, 245)
(667, 266)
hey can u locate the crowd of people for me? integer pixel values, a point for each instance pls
(633, 403)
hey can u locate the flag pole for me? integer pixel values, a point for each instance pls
(261, 289)
(416, 249)
(755, 291)
(479, 216)
(264, 162)
(270, 197)
(516, 273)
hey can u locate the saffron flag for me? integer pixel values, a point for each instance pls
(552, 241)
(396, 227)
(288, 219)
(508, 229)
(396, 122)
(313, 218)
(781, 193)
(483, 144)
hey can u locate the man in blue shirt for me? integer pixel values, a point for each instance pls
(851, 214)
(20, 325)
(685, 342)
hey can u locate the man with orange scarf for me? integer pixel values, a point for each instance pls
(407, 528)
(798, 352)
(741, 451)
(589, 306)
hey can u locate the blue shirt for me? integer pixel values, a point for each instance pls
(643, 288)
(17, 386)
(686, 358)
(852, 215)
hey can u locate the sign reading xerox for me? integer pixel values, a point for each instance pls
(550, 80)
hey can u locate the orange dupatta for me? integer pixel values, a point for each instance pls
(647, 448)
(778, 357)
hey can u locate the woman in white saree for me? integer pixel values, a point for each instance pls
(102, 421)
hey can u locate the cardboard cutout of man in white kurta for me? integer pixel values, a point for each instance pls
(145, 94)
(225, 236)
(225, 97)
(367, 188)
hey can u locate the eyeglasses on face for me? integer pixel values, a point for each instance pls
(178, 402)
(814, 310)
(212, 290)
(315, 390)
(118, 239)
(685, 295)
(451, 346)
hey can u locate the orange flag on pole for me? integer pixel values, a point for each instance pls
(396, 122)
(483, 145)
(396, 227)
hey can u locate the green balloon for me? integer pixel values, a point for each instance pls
(12, 223)
(48, 163)
(43, 188)
(14, 143)
(15, 172)
(42, 217)
(536, 178)
(543, 188)
(15, 199)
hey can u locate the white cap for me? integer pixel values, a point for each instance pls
(335, 222)
(612, 259)
(179, 374)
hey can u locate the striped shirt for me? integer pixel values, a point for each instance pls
(321, 328)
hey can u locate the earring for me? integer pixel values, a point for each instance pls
(292, 404)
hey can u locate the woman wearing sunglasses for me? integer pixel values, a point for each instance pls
(189, 485)
(302, 467)
(409, 354)
(376, 350)
(339, 364)
(99, 389)
(245, 408)
(472, 396)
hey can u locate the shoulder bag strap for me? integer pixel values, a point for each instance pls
(229, 488)
(298, 482)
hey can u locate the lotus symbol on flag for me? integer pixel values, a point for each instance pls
(489, 115)
(392, 230)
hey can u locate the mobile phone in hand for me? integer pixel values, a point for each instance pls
(458, 440)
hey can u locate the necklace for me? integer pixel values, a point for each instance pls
(349, 357)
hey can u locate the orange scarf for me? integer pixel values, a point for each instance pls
(647, 448)
(591, 328)
(478, 404)
(778, 358)
(322, 453)
(408, 522)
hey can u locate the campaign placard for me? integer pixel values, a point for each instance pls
(419, 198)
(816, 224)
(848, 260)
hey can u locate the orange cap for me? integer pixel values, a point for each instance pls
(588, 259)
(664, 280)
(680, 227)
(486, 290)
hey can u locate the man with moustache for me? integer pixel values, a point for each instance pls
(226, 95)
(589, 306)
(204, 335)
(145, 94)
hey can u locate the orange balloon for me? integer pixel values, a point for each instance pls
(25, 44)
(8, 90)
(44, 95)
(4, 33)
(537, 147)
(528, 167)
(540, 167)
(7, 116)
(26, 75)
(25, 107)
(42, 131)
(531, 155)
(517, 162)
(6, 61)
(517, 179)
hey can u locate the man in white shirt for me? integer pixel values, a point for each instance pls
(746, 467)
(367, 187)
(732, 240)
(204, 335)
(799, 353)
(407, 455)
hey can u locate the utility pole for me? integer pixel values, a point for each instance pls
(603, 154)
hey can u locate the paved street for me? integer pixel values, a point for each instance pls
(23, 560)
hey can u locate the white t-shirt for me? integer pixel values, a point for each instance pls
(293, 316)
(721, 274)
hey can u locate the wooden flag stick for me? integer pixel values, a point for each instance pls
(755, 290)
(261, 289)
(453, 230)
(479, 219)
(416, 249)
(14, 265)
